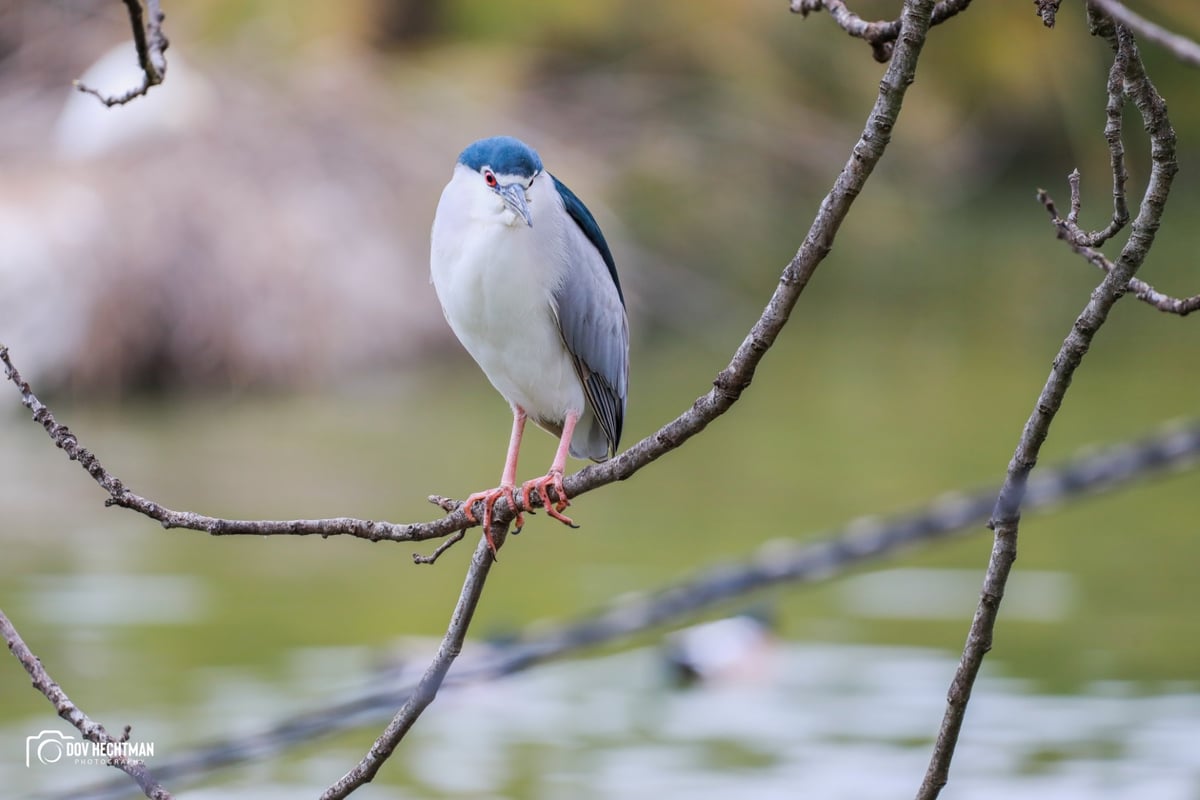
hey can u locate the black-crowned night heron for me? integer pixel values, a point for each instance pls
(530, 288)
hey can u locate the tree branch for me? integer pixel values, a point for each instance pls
(880, 35)
(427, 689)
(1143, 291)
(1114, 112)
(1007, 513)
(119, 495)
(88, 728)
(1181, 47)
(151, 47)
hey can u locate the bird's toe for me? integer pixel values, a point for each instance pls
(489, 499)
(542, 485)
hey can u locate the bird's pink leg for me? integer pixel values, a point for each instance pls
(508, 483)
(555, 476)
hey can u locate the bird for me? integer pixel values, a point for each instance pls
(528, 284)
(729, 650)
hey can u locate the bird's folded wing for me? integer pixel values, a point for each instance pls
(592, 320)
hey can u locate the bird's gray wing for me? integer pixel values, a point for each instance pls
(593, 323)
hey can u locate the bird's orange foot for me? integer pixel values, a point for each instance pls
(540, 485)
(489, 498)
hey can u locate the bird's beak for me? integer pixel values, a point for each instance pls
(513, 195)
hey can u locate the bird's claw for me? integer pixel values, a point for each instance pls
(552, 478)
(489, 498)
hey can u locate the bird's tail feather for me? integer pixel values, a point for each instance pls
(589, 440)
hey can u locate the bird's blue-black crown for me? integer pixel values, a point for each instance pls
(506, 155)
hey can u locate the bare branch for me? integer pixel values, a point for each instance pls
(151, 46)
(1181, 47)
(795, 561)
(880, 35)
(441, 548)
(424, 692)
(1163, 302)
(1114, 112)
(88, 728)
(118, 495)
(1143, 291)
(1007, 513)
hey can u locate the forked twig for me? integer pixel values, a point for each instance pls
(1072, 235)
(881, 35)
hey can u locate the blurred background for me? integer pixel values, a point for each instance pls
(222, 288)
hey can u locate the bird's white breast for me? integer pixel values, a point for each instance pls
(495, 277)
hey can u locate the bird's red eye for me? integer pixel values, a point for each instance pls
(489, 178)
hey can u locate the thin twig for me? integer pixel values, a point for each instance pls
(426, 690)
(119, 495)
(1072, 235)
(1181, 47)
(151, 47)
(1113, 129)
(799, 560)
(432, 558)
(1007, 513)
(882, 34)
(91, 730)
(1114, 113)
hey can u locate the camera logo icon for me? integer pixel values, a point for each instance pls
(48, 747)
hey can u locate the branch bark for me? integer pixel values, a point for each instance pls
(1181, 47)
(119, 495)
(881, 35)
(1006, 516)
(1073, 236)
